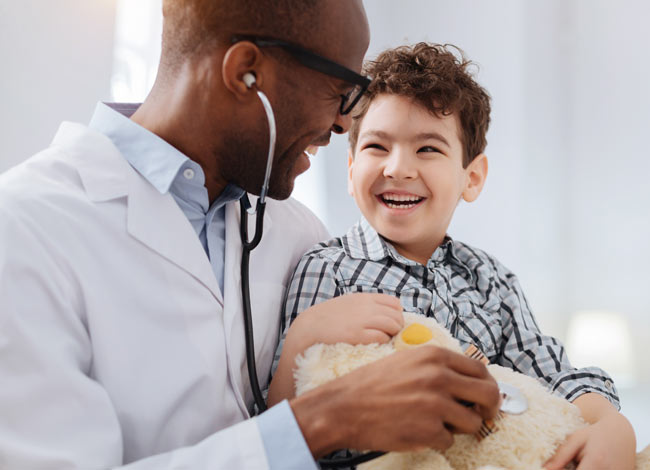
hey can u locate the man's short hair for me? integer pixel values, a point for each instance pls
(191, 27)
(436, 77)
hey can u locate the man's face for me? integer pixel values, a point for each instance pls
(305, 118)
(306, 102)
(407, 174)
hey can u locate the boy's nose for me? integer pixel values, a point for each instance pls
(398, 165)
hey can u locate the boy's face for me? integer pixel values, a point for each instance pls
(407, 174)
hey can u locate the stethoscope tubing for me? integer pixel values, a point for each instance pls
(247, 247)
(272, 135)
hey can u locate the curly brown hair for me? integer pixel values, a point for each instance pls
(438, 79)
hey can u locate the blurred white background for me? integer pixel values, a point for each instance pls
(566, 204)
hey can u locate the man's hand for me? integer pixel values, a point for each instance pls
(406, 401)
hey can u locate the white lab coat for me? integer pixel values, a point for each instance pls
(116, 343)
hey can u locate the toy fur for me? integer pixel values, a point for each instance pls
(520, 442)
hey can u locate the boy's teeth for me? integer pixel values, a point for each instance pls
(401, 201)
(400, 197)
(400, 206)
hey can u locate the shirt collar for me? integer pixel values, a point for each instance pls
(363, 242)
(156, 160)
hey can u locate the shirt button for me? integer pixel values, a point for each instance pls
(608, 384)
(188, 173)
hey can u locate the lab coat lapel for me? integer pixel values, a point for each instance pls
(156, 220)
(233, 307)
(152, 218)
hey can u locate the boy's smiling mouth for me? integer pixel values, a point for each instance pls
(400, 201)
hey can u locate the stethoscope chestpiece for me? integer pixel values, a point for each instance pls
(513, 401)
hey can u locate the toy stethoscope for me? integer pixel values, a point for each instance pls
(513, 401)
(247, 247)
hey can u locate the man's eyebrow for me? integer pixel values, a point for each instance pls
(416, 138)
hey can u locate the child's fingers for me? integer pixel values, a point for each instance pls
(565, 453)
(387, 323)
(374, 336)
(388, 306)
(373, 305)
(375, 299)
(388, 301)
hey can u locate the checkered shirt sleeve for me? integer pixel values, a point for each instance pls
(528, 351)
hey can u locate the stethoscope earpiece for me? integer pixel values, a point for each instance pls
(249, 79)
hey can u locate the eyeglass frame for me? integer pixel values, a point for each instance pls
(318, 63)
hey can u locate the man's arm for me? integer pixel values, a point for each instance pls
(406, 401)
(54, 414)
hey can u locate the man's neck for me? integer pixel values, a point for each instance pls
(177, 115)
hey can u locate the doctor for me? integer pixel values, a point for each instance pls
(121, 332)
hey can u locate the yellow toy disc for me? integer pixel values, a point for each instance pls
(416, 334)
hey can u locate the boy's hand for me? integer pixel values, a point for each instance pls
(353, 318)
(608, 444)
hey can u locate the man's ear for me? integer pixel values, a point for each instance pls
(476, 172)
(350, 166)
(242, 58)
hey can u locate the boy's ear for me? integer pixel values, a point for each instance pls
(350, 165)
(476, 172)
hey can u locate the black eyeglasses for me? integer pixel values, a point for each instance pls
(320, 64)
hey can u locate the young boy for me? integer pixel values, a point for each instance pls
(416, 150)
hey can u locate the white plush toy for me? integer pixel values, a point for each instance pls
(513, 442)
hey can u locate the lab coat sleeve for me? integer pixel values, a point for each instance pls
(285, 445)
(53, 413)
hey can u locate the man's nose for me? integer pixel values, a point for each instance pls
(342, 123)
(399, 165)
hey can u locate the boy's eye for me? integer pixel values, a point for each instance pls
(429, 148)
(374, 146)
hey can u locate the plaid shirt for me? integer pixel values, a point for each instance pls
(464, 289)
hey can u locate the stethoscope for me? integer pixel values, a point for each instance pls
(514, 402)
(247, 247)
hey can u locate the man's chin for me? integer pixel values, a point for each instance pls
(281, 190)
(280, 194)
(284, 189)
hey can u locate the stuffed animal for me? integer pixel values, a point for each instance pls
(522, 441)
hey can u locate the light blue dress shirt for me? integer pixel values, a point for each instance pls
(169, 170)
